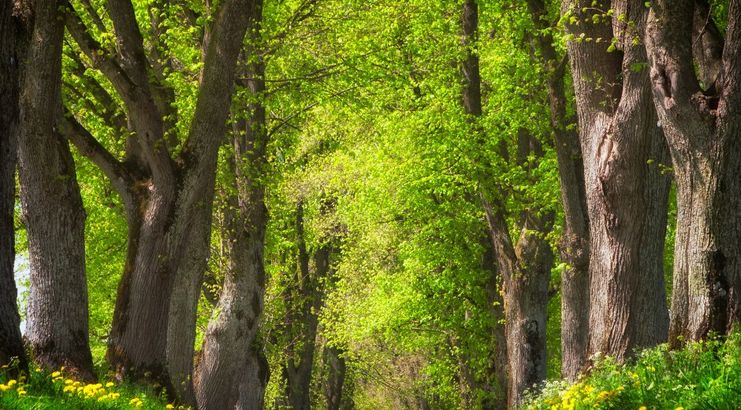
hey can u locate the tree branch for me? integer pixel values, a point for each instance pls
(88, 146)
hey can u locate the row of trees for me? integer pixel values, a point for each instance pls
(421, 163)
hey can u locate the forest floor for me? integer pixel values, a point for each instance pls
(703, 376)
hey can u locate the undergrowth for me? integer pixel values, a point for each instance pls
(702, 375)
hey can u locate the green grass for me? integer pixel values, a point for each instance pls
(44, 391)
(703, 376)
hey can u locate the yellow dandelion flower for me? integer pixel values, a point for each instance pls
(68, 389)
(69, 382)
(56, 374)
(169, 406)
(21, 392)
(109, 384)
(679, 408)
(5, 387)
(12, 382)
(642, 408)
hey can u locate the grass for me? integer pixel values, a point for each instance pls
(703, 375)
(41, 390)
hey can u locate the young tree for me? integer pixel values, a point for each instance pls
(525, 265)
(11, 36)
(626, 191)
(167, 196)
(574, 244)
(700, 117)
(52, 206)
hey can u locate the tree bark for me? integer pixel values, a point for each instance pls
(52, 208)
(233, 372)
(701, 128)
(574, 244)
(626, 192)
(162, 194)
(11, 345)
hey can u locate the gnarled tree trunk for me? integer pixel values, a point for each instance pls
(702, 128)
(11, 345)
(626, 192)
(52, 207)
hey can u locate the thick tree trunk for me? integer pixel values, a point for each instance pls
(626, 193)
(574, 244)
(254, 380)
(162, 196)
(181, 332)
(233, 372)
(52, 208)
(702, 131)
(230, 336)
(11, 345)
(336, 370)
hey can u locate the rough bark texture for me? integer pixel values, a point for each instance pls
(11, 345)
(233, 371)
(701, 128)
(181, 332)
(574, 244)
(626, 193)
(162, 195)
(52, 208)
(526, 272)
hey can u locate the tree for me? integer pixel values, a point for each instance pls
(574, 244)
(623, 151)
(233, 371)
(525, 266)
(11, 37)
(699, 114)
(52, 207)
(167, 197)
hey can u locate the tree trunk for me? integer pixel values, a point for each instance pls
(626, 193)
(52, 208)
(499, 365)
(11, 345)
(162, 194)
(701, 128)
(233, 371)
(303, 318)
(335, 377)
(525, 269)
(254, 380)
(181, 332)
(574, 244)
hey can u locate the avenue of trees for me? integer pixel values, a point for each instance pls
(365, 203)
